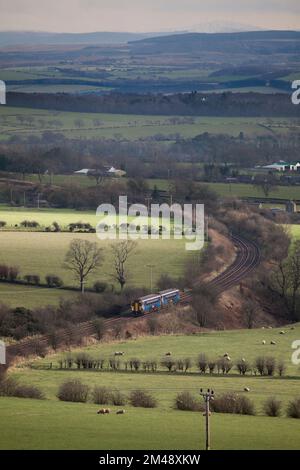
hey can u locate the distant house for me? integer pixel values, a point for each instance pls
(277, 166)
(282, 166)
(105, 171)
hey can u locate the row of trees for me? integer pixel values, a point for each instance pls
(262, 365)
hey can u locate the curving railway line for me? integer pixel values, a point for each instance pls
(247, 258)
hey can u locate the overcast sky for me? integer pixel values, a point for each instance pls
(144, 15)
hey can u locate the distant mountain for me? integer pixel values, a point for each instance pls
(253, 42)
(33, 38)
(222, 27)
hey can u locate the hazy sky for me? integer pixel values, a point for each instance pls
(144, 15)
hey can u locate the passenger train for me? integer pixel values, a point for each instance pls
(155, 302)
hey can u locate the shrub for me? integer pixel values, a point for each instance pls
(202, 363)
(73, 390)
(272, 407)
(101, 395)
(100, 287)
(13, 272)
(224, 365)
(243, 366)
(135, 364)
(270, 364)
(56, 227)
(168, 363)
(232, 403)
(4, 270)
(186, 401)
(32, 279)
(2, 223)
(281, 368)
(117, 398)
(99, 328)
(293, 409)
(30, 223)
(211, 366)
(260, 364)
(53, 281)
(143, 399)
(10, 387)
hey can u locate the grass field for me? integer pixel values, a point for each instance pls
(26, 121)
(32, 297)
(43, 253)
(34, 424)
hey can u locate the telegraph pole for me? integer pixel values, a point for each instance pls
(207, 396)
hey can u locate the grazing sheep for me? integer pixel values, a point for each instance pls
(119, 353)
(263, 341)
(273, 342)
(168, 354)
(101, 412)
(107, 411)
(228, 358)
(282, 332)
(246, 389)
(226, 355)
(120, 412)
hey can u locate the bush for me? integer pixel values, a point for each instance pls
(30, 224)
(168, 363)
(143, 399)
(53, 281)
(272, 407)
(13, 273)
(270, 365)
(202, 363)
(185, 401)
(99, 328)
(243, 366)
(232, 403)
(10, 387)
(100, 287)
(117, 398)
(73, 390)
(101, 395)
(260, 364)
(281, 368)
(2, 223)
(293, 409)
(32, 279)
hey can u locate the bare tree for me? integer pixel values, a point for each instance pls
(83, 258)
(121, 253)
(286, 280)
(250, 313)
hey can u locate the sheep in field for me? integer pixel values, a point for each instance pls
(246, 389)
(263, 341)
(273, 343)
(120, 412)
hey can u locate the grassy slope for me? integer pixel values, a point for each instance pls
(33, 424)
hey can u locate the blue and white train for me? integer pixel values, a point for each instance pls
(155, 302)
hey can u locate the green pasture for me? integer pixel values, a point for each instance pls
(26, 121)
(43, 253)
(32, 297)
(49, 424)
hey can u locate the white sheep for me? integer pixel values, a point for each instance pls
(282, 332)
(120, 412)
(263, 341)
(246, 389)
(273, 342)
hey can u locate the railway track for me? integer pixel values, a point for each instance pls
(247, 258)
